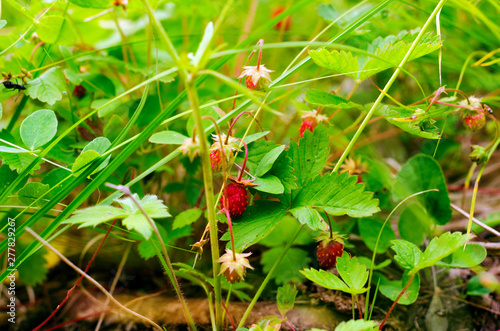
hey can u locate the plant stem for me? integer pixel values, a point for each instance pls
(388, 86)
(209, 197)
(268, 277)
(396, 301)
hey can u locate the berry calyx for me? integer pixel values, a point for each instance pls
(355, 167)
(234, 265)
(257, 77)
(230, 148)
(329, 249)
(237, 202)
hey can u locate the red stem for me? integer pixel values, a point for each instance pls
(230, 225)
(244, 161)
(78, 319)
(396, 301)
(233, 122)
(261, 42)
(290, 325)
(78, 281)
(230, 317)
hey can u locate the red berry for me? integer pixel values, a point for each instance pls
(215, 159)
(308, 123)
(79, 91)
(287, 21)
(236, 195)
(250, 83)
(474, 122)
(328, 251)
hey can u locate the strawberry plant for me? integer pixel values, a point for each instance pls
(249, 165)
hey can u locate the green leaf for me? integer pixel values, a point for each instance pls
(98, 4)
(268, 160)
(256, 223)
(253, 137)
(407, 254)
(168, 137)
(7, 177)
(474, 287)
(343, 62)
(50, 29)
(288, 270)
(356, 325)
(47, 88)
(414, 223)
(471, 256)
(153, 206)
(422, 173)
(2, 24)
(96, 215)
(19, 161)
(391, 289)
(269, 184)
(326, 280)
(39, 128)
(310, 155)
(1, 109)
(309, 216)
(283, 169)
(34, 192)
(202, 48)
(256, 151)
(284, 232)
(54, 180)
(413, 120)
(187, 217)
(139, 223)
(113, 127)
(367, 262)
(105, 110)
(100, 145)
(84, 160)
(34, 270)
(369, 229)
(286, 298)
(72, 76)
(440, 247)
(393, 52)
(325, 99)
(353, 273)
(337, 194)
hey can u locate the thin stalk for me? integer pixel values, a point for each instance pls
(268, 277)
(209, 197)
(175, 283)
(388, 86)
(396, 301)
(378, 240)
(92, 280)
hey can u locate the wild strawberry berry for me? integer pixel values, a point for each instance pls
(287, 21)
(329, 249)
(237, 201)
(474, 122)
(215, 159)
(79, 91)
(309, 123)
(234, 266)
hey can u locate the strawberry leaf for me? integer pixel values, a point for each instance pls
(325, 99)
(288, 269)
(392, 288)
(337, 194)
(353, 273)
(268, 160)
(407, 253)
(471, 256)
(357, 325)
(257, 222)
(187, 217)
(369, 230)
(326, 279)
(310, 155)
(310, 217)
(343, 62)
(286, 298)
